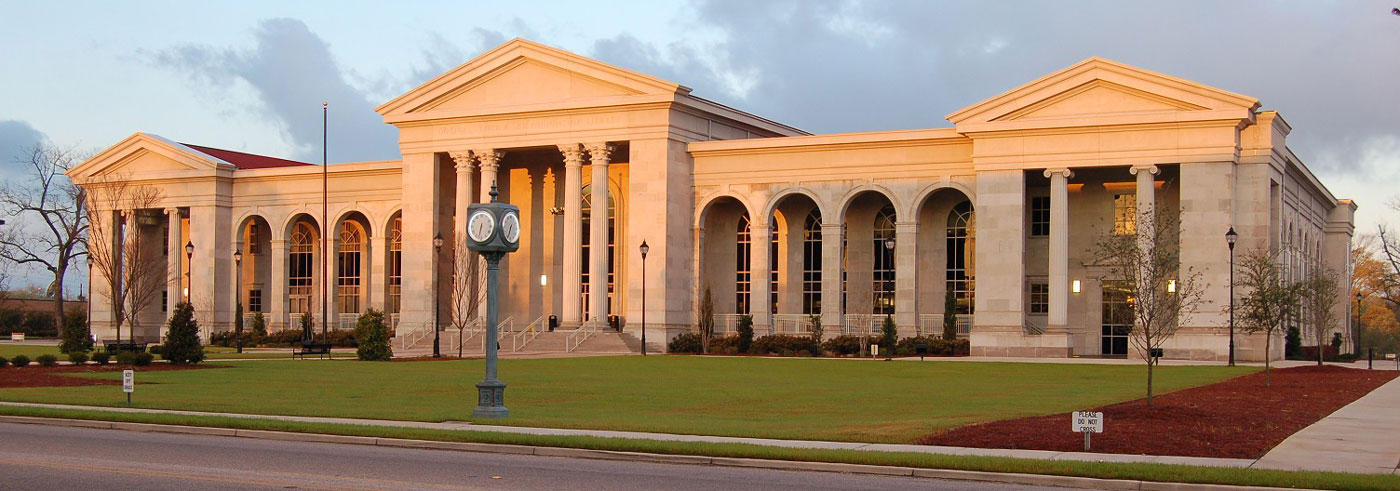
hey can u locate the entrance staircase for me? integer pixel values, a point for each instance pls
(527, 342)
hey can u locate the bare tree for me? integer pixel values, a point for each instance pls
(468, 289)
(1149, 265)
(707, 320)
(1388, 286)
(1268, 301)
(1322, 293)
(120, 252)
(53, 227)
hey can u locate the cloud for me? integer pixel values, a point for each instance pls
(292, 71)
(16, 138)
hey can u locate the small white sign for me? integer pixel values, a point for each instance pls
(1087, 422)
(16, 336)
(874, 350)
(128, 381)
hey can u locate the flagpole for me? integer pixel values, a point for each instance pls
(326, 237)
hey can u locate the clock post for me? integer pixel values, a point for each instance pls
(494, 231)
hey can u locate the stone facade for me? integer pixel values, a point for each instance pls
(1000, 211)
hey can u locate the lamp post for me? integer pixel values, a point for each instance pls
(437, 301)
(189, 268)
(238, 295)
(644, 249)
(1230, 238)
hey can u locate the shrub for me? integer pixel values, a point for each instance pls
(46, 359)
(259, 324)
(728, 345)
(1336, 341)
(143, 359)
(889, 336)
(101, 357)
(76, 335)
(1310, 353)
(843, 345)
(373, 337)
(688, 342)
(229, 339)
(11, 320)
(307, 324)
(4, 362)
(950, 316)
(126, 357)
(182, 337)
(744, 339)
(20, 361)
(782, 344)
(287, 337)
(40, 324)
(936, 346)
(1292, 341)
(77, 357)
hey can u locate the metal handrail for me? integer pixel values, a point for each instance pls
(411, 338)
(862, 324)
(502, 329)
(797, 324)
(522, 338)
(726, 323)
(346, 321)
(576, 338)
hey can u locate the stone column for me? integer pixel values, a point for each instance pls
(464, 194)
(760, 277)
(831, 277)
(420, 223)
(999, 319)
(377, 275)
(276, 301)
(211, 234)
(328, 261)
(1146, 199)
(490, 161)
(1059, 249)
(572, 262)
(906, 274)
(174, 256)
(599, 154)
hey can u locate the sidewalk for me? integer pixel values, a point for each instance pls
(1360, 437)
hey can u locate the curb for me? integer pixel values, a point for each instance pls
(582, 453)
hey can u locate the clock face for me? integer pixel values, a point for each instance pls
(510, 227)
(481, 226)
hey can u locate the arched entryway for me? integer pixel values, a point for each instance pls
(351, 280)
(796, 256)
(254, 274)
(868, 270)
(947, 269)
(303, 269)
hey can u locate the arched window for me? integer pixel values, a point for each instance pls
(812, 263)
(395, 265)
(347, 268)
(586, 213)
(883, 267)
(301, 263)
(961, 240)
(743, 276)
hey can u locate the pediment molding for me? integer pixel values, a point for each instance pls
(162, 157)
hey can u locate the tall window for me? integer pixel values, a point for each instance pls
(1124, 214)
(961, 223)
(743, 251)
(1040, 298)
(1040, 216)
(254, 233)
(812, 264)
(1117, 318)
(773, 265)
(347, 266)
(300, 263)
(586, 213)
(395, 265)
(255, 300)
(883, 267)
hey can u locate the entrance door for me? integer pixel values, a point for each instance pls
(1117, 319)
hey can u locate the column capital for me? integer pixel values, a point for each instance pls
(488, 157)
(1150, 168)
(573, 154)
(600, 153)
(1061, 171)
(463, 158)
(172, 211)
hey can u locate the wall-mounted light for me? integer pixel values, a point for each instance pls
(556, 211)
(1074, 286)
(544, 280)
(1171, 286)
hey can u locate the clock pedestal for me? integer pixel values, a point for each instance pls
(491, 392)
(494, 231)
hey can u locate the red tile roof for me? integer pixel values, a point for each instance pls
(245, 160)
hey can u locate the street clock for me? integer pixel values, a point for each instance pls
(493, 227)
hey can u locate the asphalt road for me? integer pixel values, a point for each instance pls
(53, 457)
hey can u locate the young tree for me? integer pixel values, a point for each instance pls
(814, 327)
(468, 290)
(182, 337)
(119, 252)
(950, 316)
(1322, 292)
(889, 336)
(1149, 264)
(372, 337)
(53, 223)
(75, 334)
(1268, 299)
(707, 320)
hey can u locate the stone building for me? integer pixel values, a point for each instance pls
(1002, 209)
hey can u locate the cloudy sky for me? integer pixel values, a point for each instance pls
(251, 75)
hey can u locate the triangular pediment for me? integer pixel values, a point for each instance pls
(1103, 90)
(521, 75)
(144, 154)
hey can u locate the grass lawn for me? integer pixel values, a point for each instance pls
(820, 399)
(30, 350)
(210, 352)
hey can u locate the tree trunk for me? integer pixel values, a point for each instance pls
(1268, 354)
(1149, 377)
(58, 296)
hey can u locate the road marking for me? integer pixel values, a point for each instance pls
(300, 480)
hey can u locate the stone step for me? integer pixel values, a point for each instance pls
(545, 343)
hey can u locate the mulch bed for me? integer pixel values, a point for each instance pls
(38, 376)
(1236, 418)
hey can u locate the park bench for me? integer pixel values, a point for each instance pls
(322, 350)
(115, 347)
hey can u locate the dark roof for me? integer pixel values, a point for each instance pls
(245, 160)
